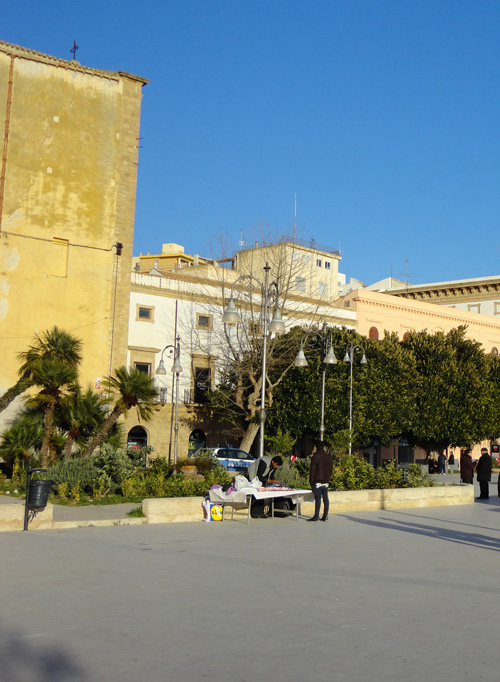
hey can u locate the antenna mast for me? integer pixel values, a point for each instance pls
(295, 220)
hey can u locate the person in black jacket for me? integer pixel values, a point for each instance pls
(320, 473)
(483, 471)
(466, 467)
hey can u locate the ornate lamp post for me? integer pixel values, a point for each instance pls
(349, 357)
(269, 295)
(329, 358)
(175, 351)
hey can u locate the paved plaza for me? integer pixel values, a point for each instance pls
(367, 597)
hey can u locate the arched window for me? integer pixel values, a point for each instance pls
(494, 351)
(137, 438)
(405, 336)
(197, 441)
(373, 333)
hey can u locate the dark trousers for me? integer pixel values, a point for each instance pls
(319, 494)
(484, 490)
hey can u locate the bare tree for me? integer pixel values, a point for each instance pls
(236, 351)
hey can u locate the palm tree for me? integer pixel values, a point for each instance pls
(80, 415)
(132, 388)
(54, 343)
(54, 377)
(21, 438)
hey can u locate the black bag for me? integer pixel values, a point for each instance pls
(284, 503)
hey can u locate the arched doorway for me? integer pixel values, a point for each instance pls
(137, 438)
(197, 441)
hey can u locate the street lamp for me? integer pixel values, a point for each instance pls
(328, 359)
(349, 357)
(269, 291)
(175, 351)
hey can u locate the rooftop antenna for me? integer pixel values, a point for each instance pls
(406, 275)
(242, 239)
(295, 220)
(74, 49)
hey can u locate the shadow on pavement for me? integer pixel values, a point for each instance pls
(22, 661)
(491, 508)
(472, 539)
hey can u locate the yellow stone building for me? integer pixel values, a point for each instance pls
(67, 201)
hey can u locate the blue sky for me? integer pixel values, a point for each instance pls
(381, 115)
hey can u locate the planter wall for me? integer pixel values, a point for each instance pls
(12, 517)
(179, 509)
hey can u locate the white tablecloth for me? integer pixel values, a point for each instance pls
(218, 495)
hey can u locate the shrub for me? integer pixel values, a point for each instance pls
(389, 476)
(75, 472)
(352, 473)
(101, 486)
(160, 466)
(204, 461)
(291, 475)
(140, 457)
(114, 462)
(418, 478)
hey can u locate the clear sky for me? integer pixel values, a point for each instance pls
(381, 115)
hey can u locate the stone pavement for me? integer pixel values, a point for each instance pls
(367, 597)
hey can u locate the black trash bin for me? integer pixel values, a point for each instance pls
(39, 494)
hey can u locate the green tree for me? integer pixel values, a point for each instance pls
(21, 438)
(382, 402)
(55, 378)
(80, 416)
(54, 343)
(131, 388)
(454, 387)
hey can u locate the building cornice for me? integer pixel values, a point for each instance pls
(375, 300)
(487, 287)
(72, 65)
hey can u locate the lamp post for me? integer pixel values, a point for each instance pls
(175, 351)
(349, 357)
(329, 358)
(277, 326)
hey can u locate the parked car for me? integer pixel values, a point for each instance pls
(233, 459)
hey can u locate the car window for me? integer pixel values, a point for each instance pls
(242, 454)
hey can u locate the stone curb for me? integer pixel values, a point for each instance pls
(101, 523)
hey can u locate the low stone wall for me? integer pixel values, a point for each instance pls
(180, 509)
(12, 518)
(395, 498)
(173, 509)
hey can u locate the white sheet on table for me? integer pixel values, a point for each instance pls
(241, 495)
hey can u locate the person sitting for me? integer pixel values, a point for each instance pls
(264, 469)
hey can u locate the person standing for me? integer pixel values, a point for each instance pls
(451, 460)
(320, 473)
(483, 469)
(466, 467)
(442, 463)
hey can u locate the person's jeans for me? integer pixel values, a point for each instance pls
(320, 493)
